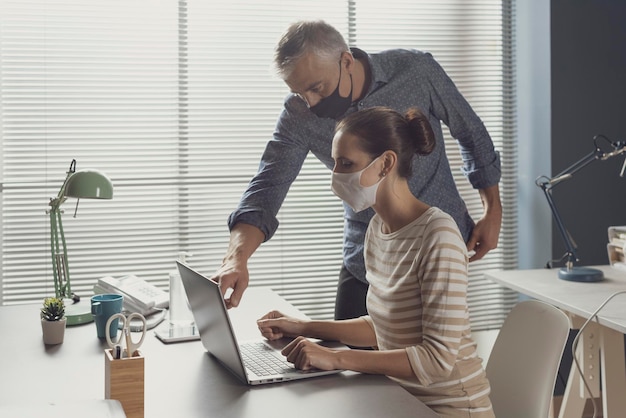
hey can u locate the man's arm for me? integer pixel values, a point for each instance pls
(487, 230)
(233, 273)
(254, 220)
(481, 162)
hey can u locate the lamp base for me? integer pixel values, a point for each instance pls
(78, 312)
(581, 274)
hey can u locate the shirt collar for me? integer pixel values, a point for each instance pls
(379, 76)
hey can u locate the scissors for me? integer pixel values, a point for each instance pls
(131, 346)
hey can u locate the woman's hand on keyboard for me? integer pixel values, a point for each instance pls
(307, 355)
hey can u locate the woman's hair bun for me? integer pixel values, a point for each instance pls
(422, 131)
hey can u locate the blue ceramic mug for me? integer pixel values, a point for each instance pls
(102, 308)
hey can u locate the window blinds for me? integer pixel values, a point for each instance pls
(175, 101)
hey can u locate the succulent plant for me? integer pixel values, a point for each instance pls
(53, 309)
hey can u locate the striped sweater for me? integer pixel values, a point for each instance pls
(417, 300)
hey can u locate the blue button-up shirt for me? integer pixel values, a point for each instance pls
(401, 79)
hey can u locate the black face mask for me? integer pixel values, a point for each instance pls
(334, 106)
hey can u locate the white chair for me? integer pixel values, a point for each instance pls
(525, 358)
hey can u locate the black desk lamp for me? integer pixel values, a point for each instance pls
(571, 272)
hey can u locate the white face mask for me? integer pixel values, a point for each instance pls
(347, 186)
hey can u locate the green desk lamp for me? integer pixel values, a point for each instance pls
(86, 184)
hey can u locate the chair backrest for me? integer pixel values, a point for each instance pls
(525, 359)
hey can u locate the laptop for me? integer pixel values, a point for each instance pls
(254, 362)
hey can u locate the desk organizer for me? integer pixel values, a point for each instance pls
(124, 381)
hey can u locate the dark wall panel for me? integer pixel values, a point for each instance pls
(588, 48)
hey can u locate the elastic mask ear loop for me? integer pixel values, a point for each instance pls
(367, 168)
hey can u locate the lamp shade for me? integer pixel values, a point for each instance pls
(89, 184)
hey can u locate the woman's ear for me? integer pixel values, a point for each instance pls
(389, 161)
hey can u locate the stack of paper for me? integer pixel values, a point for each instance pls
(617, 246)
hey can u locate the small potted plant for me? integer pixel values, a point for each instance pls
(53, 320)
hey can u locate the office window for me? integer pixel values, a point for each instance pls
(175, 101)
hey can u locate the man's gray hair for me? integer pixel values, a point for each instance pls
(305, 37)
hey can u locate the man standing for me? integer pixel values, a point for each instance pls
(329, 80)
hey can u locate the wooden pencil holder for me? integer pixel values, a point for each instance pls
(124, 381)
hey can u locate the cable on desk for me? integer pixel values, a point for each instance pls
(575, 345)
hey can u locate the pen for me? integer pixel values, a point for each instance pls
(118, 352)
(128, 342)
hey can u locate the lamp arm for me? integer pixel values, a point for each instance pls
(54, 249)
(58, 201)
(58, 248)
(596, 154)
(567, 240)
(60, 270)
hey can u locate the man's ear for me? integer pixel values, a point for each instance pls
(347, 61)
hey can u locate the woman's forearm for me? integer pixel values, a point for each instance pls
(354, 332)
(390, 362)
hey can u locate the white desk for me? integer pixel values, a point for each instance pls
(182, 380)
(601, 347)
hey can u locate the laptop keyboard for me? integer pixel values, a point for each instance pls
(259, 358)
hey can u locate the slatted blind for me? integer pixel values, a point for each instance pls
(94, 81)
(175, 101)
